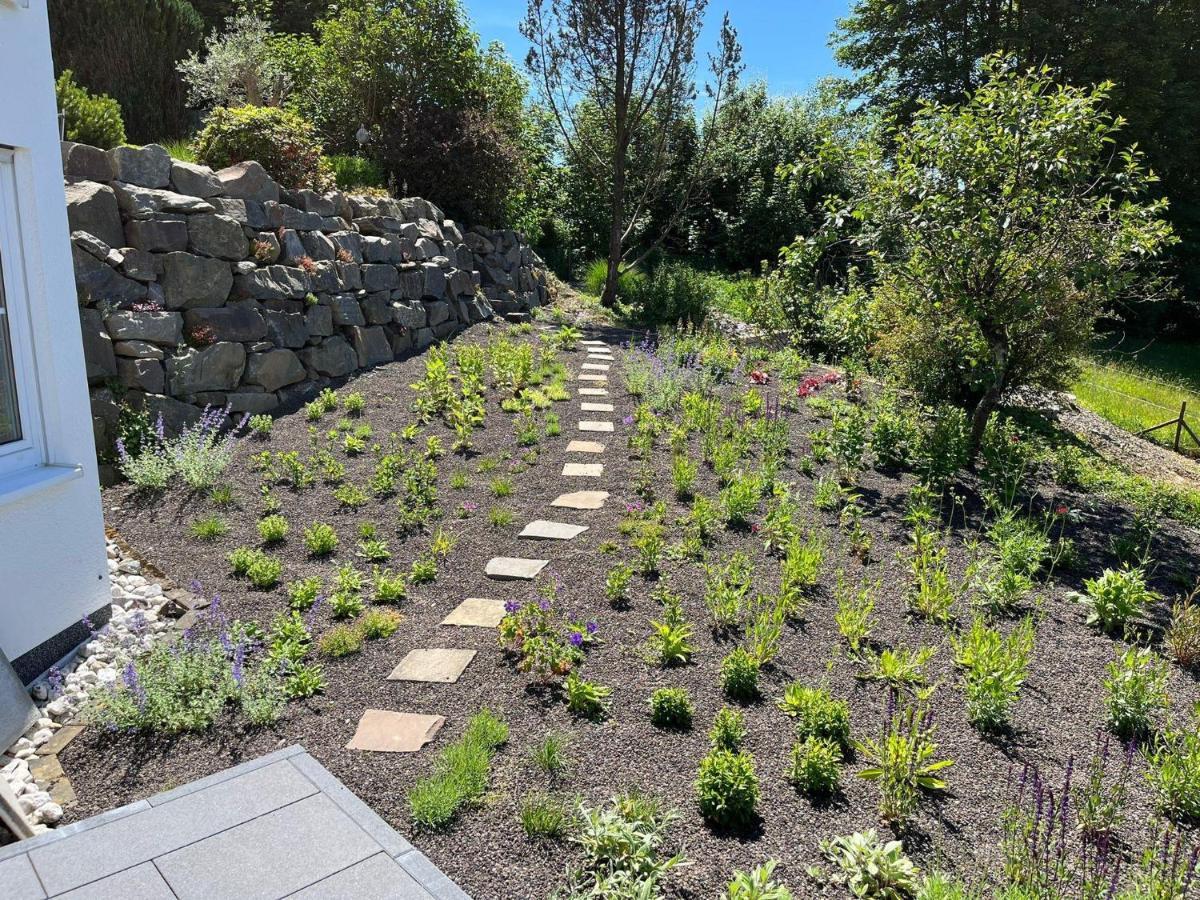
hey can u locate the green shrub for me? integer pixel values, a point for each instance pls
(756, 884)
(870, 868)
(90, 118)
(671, 708)
(728, 730)
(627, 282)
(674, 293)
(1115, 597)
(303, 593)
(817, 714)
(739, 675)
(285, 144)
(320, 539)
(727, 788)
(264, 572)
(814, 769)
(1174, 772)
(586, 699)
(1137, 691)
(380, 623)
(341, 640)
(273, 529)
(350, 172)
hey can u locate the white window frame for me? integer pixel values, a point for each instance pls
(28, 452)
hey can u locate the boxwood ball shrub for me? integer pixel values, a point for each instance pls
(285, 144)
(727, 788)
(739, 675)
(817, 714)
(90, 118)
(814, 769)
(671, 708)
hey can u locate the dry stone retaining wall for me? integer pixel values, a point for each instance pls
(199, 287)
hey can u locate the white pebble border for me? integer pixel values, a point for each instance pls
(135, 624)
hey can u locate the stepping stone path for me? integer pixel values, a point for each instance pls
(543, 530)
(581, 500)
(476, 612)
(583, 470)
(593, 392)
(385, 731)
(439, 666)
(595, 426)
(514, 568)
(585, 447)
(595, 407)
(596, 367)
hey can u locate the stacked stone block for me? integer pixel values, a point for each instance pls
(199, 287)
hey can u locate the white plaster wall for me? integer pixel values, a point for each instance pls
(52, 561)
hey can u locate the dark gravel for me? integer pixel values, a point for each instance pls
(486, 852)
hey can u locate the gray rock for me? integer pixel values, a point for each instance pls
(451, 232)
(236, 322)
(423, 337)
(380, 250)
(380, 277)
(461, 283)
(435, 281)
(98, 355)
(478, 243)
(377, 308)
(439, 311)
(402, 342)
(157, 235)
(291, 248)
(138, 350)
(324, 276)
(218, 367)
(87, 162)
(142, 202)
(148, 166)
(371, 345)
(266, 249)
(349, 276)
(351, 242)
(318, 320)
(97, 282)
(141, 374)
(93, 208)
(93, 245)
(176, 414)
(346, 310)
(333, 357)
(318, 246)
(195, 281)
(280, 215)
(274, 369)
(165, 328)
(429, 229)
(425, 249)
(410, 314)
(195, 181)
(311, 201)
(412, 284)
(216, 235)
(242, 402)
(286, 329)
(140, 265)
(273, 283)
(238, 210)
(248, 181)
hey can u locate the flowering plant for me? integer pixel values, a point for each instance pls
(198, 455)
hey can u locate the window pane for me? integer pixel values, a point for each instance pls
(10, 421)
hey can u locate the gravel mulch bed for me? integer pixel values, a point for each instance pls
(486, 851)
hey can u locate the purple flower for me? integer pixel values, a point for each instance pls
(576, 639)
(239, 661)
(544, 605)
(628, 420)
(160, 429)
(55, 679)
(121, 451)
(133, 684)
(137, 622)
(87, 623)
(511, 606)
(592, 627)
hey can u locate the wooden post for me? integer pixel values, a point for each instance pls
(1179, 424)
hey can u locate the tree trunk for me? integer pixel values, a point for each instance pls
(620, 151)
(989, 402)
(609, 298)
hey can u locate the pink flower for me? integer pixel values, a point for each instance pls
(758, 376)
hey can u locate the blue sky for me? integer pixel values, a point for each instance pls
(784, 42)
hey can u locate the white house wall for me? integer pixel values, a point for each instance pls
(52, 560)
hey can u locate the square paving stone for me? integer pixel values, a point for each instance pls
(592, 376)
(514, 568)
(595, 407)
(386, 731)
(599, 357)
(439, 666)
(18, 877)
(476, 612)
(581, 500)
(593, 343)
(595, 426)
(583, 470)
(595, 367)
(593, 392)
(543, 530)
(376, 878)
(585, 447)
(141, 882)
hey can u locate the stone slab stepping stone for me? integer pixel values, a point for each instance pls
(595, 353)
(583, 470)
(543, 530)
(595, 407)
(585, 447)
(595, 426)
(592, 376)
(385, 731)
(476, 612)
(596, 367)
(581, 500)
(593, 392)
(438, 666)
(514, 568)
(593, 343)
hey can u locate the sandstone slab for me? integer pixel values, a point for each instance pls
(595, 367)
(581, 500)
(476, 612)
(595, 407)
(593, 392)
(385, 731)
(436, 666)
(583, 470)
(595, 426)
(545, 530)
(514, 568)
(592, 376)
(585, 447)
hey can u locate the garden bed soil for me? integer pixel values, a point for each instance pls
(486, 851)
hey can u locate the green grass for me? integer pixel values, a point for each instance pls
(1137, 391)
(180, 149)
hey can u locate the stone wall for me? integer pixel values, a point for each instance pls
(199, 287)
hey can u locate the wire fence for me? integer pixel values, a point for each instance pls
(1179, 422)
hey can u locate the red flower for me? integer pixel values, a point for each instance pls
(758, 376)
(1061, 510)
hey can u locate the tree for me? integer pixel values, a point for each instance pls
(238, 67)
(997, 231)
(908, 50)
(624, 61)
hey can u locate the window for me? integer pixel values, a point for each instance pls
(19, 420)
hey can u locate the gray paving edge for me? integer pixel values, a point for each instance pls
(394, 844)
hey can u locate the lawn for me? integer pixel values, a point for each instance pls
(1141, 389)
(767, 610)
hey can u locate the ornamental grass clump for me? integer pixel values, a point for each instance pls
(461, 773)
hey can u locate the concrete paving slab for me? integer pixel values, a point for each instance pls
(582, 470)
(476, 612)
(387, 731)
(585, 447)
(514, 568)
(544, 530)
(593, 392)
(595, 407)
(592, 376)
(139, 883)
(377, 877)
(595, 367)
(595, 426)
(436, 665)
(581, 500)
